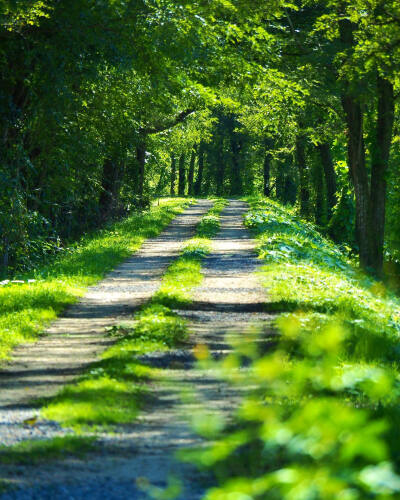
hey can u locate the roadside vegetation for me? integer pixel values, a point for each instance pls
(28, 305)
(115, 388)
(323, 418)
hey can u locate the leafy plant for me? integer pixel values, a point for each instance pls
(319, 418)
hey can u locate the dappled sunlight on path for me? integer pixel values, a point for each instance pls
(76, 339)
(226, 305)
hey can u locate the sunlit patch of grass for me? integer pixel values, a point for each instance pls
(157, 323)
(179, 281)
(305, 271)
(113, 390)
(25, 309)
(97, 401)
(36, 451)
(184, 274)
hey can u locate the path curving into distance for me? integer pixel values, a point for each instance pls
(229, 300)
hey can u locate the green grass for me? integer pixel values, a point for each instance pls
(33, 452)
(115, 388)
(322, 417)
(306, 272)
(26, 309)
(109, 394)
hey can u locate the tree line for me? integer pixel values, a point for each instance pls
(106, 105)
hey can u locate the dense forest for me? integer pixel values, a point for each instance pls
(106, 105)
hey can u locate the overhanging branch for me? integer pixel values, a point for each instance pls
(165, 126)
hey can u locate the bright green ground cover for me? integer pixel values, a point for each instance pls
(25, 309)
(323, 421)
(115, 387)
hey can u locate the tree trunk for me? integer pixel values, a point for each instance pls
(182, 176)
(379, 165)
(199, 178)
(219, 167)
(5, 255)
(191, 173)
(330, 176)
(173, 175)
(220, 175)
(319, 193)
(303, 176)
(236, 179)
(356, 153)
(358, 173)
(267, 167)
(141, 161)
(280, 182)
(108, 194)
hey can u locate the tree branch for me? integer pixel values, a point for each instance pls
(165, 126)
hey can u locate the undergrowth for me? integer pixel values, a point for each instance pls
(26, 307)
(322, 418)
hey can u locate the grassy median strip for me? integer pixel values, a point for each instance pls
(113, 390)
(26, 307)
(185, 273)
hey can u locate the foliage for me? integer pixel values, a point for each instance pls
(99, 97)
(159, 323)
(319, 418)
(110, 394)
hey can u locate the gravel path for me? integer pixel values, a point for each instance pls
(76, 339)
(229, 300)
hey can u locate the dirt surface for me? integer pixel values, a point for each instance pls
(229, 300)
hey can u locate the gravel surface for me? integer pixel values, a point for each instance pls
(229, 300)
(13, 429)
(77, 338)
(105, 488)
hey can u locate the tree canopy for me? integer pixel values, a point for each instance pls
(105, 104)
